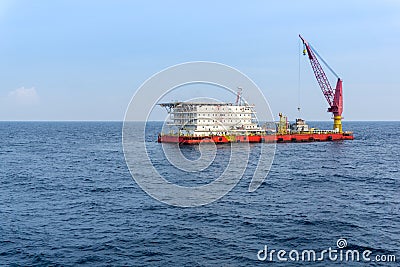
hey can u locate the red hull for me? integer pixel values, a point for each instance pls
(189, 140)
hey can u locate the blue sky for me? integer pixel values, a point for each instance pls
(83, 60)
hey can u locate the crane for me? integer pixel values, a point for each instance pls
(333, 96)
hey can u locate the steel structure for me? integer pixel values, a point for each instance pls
(333, 96)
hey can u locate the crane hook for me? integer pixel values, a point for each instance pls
(304, 50)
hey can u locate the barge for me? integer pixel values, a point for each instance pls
(193, 123)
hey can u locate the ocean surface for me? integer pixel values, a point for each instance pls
(67, 198)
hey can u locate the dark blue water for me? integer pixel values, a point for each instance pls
(67, 198)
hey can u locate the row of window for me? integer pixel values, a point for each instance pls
(223, 109)
(209, 121)
(215, 127)
(213, 115)
(224, 121)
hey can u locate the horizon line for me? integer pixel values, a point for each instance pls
(163, 121)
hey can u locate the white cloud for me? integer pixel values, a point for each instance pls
(24, 96)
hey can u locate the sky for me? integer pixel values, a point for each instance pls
(84, 60)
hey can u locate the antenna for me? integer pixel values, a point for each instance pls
(239, 96)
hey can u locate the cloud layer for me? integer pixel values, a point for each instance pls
(24, 96)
